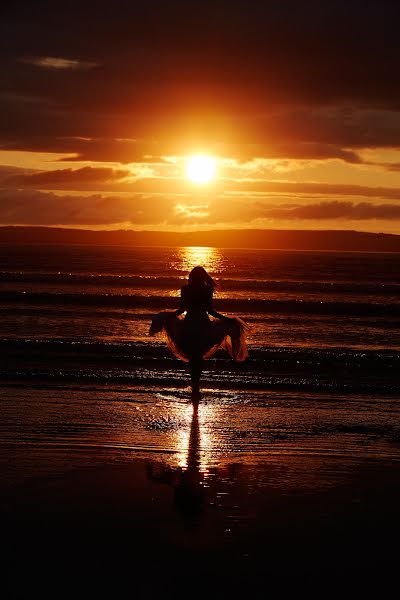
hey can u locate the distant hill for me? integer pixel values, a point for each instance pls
(232, 238)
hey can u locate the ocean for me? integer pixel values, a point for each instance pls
(324, 333)
(287, 470)
(319, 321)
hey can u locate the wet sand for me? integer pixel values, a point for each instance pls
(193, 502)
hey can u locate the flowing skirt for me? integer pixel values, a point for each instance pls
(193, 338)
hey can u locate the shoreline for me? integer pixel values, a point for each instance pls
(113, 490)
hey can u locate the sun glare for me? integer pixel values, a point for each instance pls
(201, 168)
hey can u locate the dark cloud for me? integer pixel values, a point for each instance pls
(310, 188)
(248, 72)
(310, 133)
(89, 149)
(301, 151)
(130, 151)
(66, 177)
(113, 180)
(242, 211)
(336, 210)
(318, 50)
(30, 207)
(6, 172)
(386, 165)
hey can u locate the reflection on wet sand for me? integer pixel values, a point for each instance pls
(187, 479)
(251, 512)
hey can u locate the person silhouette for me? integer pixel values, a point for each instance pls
(196, 337)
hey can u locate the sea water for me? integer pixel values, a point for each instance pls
(318, 320)
(80, 373)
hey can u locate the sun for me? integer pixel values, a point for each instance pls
(201, 168)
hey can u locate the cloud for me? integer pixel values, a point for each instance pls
(391, 166)
(310, 188)
(141, 180)
(135, 135)
(67, 177)
(84, 148)
(387, 166)
(252, 211)
(30, 207)
(336, 210)
(52, 62)
(320, 52)
(248, 152)
(190, 212)
(284, 81)
(320, 75)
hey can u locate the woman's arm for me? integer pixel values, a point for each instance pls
(181, 308)
(216, 314)
(211, 311)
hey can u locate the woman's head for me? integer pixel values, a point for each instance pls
(199, 276)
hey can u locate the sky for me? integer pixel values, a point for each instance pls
(104, 104)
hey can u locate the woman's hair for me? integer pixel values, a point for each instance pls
(199, 276)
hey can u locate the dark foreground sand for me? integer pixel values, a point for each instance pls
(143, 529)
(125, 493)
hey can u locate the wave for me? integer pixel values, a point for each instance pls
(157, 349)
(241, 305)
(179, 378)
(175, 283)
(334, 369)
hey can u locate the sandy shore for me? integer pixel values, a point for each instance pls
(230, 500)
(151, 530)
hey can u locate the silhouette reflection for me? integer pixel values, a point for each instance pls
(188, 480)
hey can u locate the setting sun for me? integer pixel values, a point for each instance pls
(201, 168)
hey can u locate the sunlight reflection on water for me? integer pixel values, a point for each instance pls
(193, 442)
(191, 256)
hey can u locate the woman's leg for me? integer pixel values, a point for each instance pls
(195, 368)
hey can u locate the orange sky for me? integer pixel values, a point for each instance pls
(98, 124)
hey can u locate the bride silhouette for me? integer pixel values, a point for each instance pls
(196, 337)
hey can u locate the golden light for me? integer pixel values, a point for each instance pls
(191, 256)
(201, 168)
(193, 442)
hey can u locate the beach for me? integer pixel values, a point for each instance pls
(199, 300)
(285, 477)
(282, 494)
